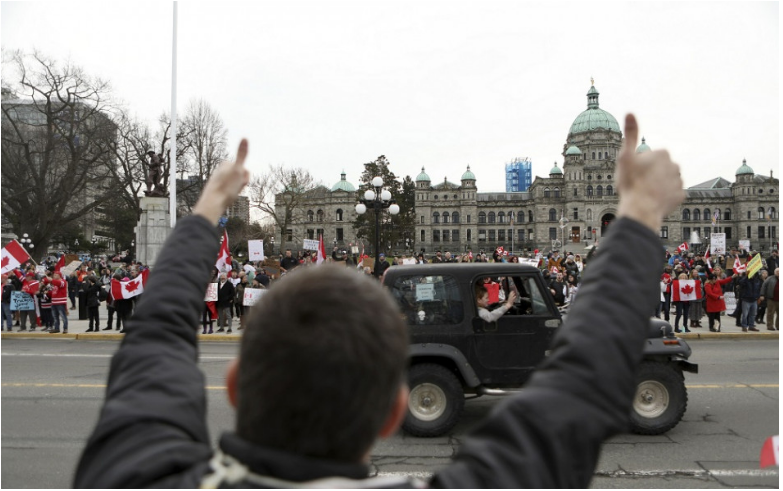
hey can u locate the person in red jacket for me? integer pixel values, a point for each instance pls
(59, 296)
(715, 304)
(30, 286)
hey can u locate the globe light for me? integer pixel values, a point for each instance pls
(369, 195)
(361, 209)
(32, 246)
(377, 182)
(394, 209)
(385, 195)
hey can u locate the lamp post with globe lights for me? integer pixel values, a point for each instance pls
(27, 242)
(377, 200)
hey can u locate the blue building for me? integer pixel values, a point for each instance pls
(519, 175)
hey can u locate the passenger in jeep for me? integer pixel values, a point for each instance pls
(482, 300)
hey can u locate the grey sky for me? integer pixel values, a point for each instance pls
(331, 85)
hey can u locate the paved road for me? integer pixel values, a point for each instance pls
(53, 388)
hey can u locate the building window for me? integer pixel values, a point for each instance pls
(491, 217)
(706, 215)
(589, 190)
(686, 234)
(501, 217)
(761, 213)
(470, 235)
(747, 232)
(557, 192)
(552, 233)
(436, 235)
(310, 215)
(289, 234)
(319, 232)
(576, 213)
(696, 215)
(446, 217)
(546, 192)
(521, 216)
(761, 232)
(422, 219)
(502, 235)
(435, 197)
(482, 235)
(599, 190)
(552, 215)
(455, 217)
(339, 233)
(707, 232)
(664, 232)
(482, 217)
(609, 190)
(436, 217)
(422, 236)
(521, 235)
(686, 214)
(319, 215)
(589, 215)
(455, 235)
(492, 236)
(339, 215)
(575, 193)
(727, 216)
(310, 234)
(446, 236)
(589, 177)
(772, 213)
(467, 219)
(748, 214)
(593, 155)
(772, 232)
(530, 216)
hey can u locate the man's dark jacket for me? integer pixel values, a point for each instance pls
(152, 430)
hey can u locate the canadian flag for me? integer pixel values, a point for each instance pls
(682, 247)
(321, 257)
(707, 258)
(738, 268)
(223, 263)
(13, 256)
(555, 270)
(60, 264)
(129, 289)
(686, 290)
(770, 452)
(499, 250)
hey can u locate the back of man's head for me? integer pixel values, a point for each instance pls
(321, 363)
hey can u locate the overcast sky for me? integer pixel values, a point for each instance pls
(332, 85)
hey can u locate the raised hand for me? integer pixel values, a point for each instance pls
(649, 183)
(223, 187)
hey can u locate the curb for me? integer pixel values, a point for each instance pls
(212, 338)
(730, 335)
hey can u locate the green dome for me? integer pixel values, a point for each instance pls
(556, 170)
(593, 117)
(422, 176)
(573, 150)
(643, 147)
(745, 169)
(468, 176)
(343, 185)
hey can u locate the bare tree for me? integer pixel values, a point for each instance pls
(281, 194)
(56, 146)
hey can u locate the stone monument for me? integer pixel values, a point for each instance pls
(153, 229)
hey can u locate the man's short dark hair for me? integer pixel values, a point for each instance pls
(321, 363)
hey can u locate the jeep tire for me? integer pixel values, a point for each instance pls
(660, 399)
(436, 400)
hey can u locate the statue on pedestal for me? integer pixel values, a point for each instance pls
(154, 175)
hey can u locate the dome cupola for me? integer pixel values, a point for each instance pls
(745, 169)
(468, 175)
(343, 185)
(422, 176)
(643, 147)
(556, 171)
(593, 117)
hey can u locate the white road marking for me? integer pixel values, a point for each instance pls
(86, 355)
(651, 473)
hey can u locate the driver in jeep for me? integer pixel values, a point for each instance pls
(321, 371)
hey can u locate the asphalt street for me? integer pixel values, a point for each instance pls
(52, 391)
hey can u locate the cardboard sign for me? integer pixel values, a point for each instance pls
(409, 260)
(731, 302)
(211, 295)
(529, 262)
(425, 292)
(40, 269)
(70, 268)
(717, 244)
(368, 262)
(252, 295)
(22, 301)
(255, 250)
(310, 245)
(744, 245)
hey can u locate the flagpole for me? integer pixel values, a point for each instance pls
(173, 151)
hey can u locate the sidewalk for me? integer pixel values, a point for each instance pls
(77, 330)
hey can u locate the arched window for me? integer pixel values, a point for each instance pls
(319, 215)
(727, 214)
(446, 217)
(339, 214)
(530, 216)
(552, 215)
(491, 217)
(609, 190)
(599, 190)
(589, 190)
(706, 215)
(510, 216)
(761, 213)
(436, 217)
(501, 217)
(696, 215)
(772, 212)
(482, 217)
(521, 216)
(310, 215)
(546, 192)
(455, 217)
(593, 155)
(686, 214)
(557, 192)
(589, 215)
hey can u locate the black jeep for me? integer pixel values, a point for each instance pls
(455, 353)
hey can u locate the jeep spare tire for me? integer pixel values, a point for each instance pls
(660, 399)
(436, 400)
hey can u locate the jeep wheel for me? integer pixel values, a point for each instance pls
(436, 400)
(660, 399)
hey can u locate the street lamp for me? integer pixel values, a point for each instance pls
(27, 242)
(378, 200)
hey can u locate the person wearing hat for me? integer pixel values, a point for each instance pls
(381, 266)
(30, 286)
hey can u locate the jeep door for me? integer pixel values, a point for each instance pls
(508, 350)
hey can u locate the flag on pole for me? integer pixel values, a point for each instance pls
(321, 257)
(707, 258)
(754, 265)
(129, 289)
(686, 290)
(13, 256)
(223, 263)
(60, 264)
(770, 452)
(715, 217)
(682, 247)
(738, 268)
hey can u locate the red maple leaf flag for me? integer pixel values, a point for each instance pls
(13, 256)
(686, 290)
(321, 257)
(682, 247)
(60, 264)
(770, 452)
(129, 289)
(739, 267)
(223, 263)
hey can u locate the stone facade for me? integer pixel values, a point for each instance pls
(572, 207)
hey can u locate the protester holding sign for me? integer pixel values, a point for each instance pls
(30, 288)
(683, 292)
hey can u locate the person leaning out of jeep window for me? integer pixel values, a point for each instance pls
(482, 300)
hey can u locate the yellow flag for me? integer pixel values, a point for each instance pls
(754, 265)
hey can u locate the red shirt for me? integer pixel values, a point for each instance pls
(59, 292)
(493, 289)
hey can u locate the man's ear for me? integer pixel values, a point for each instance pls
(397, 413)
(232, 372)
